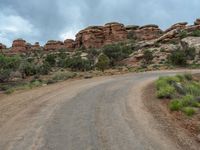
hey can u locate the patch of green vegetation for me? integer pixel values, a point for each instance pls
(189, 111)
(148, 56)
(183, 34)
(168, 87)
(175, 105)
(61, 76)
(166, 92)
(196, 33)
(103, 62)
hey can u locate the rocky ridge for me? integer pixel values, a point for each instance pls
(98, 36)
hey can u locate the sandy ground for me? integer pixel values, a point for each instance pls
(105, 113)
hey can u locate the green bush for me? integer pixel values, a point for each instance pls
(51, 59)
(178, 58)
(183, 34)
(103, 62)
(190, 53)
(7, 66)
(28, 69)
(196, 33)
(193, 88)
(60, 76)
(188, 76)
(117, 52)
(78, 64)
(166, 92)
(189, 111)
(175, 105)
(148, 56)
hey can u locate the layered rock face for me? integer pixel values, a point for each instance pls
(114, 32)
(53, 45)
(36, 46)
(97, 36)
(147, 32)
(91, 37)
(69, 44)
(19, 45)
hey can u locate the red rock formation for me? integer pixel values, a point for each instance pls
(178, 26)
(53, 45)
(69, 44)
(2, 46)
(19, 45)
(97, 36)
(148, 32)
(36, 46)
(114, 32)
(91, 37)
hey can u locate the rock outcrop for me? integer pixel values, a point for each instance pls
(114, 32)
(197, 22)
(91, 37)
(69, 44)
(178, 26)
(2, 46)
(148, 32)
(53, 45)
(98, 36)
(19, 45)
(36, 46)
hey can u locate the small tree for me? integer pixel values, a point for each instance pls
(148, 56)
(178, 58)
(103, 62)
(51, 59)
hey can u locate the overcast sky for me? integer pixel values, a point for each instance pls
(42, 20)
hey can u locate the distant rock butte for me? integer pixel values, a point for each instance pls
(98, 36)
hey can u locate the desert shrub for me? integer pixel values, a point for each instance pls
(175, 105)
(189, 111)
(148, 56)
(193, 88)
(44, 69)
(78, 64)
(103, 62)
(178, 58)
(28, 69)
(60, 76)
(10, 91)
(190, 53)
(196, 33)
(161, 82)
(7, 66)
(116, 52)
(183, 34)
(51, 59)
(188, 76)
(166, 92)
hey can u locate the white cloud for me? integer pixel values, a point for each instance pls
(13, 26)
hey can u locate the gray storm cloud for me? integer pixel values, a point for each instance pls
(41, 20)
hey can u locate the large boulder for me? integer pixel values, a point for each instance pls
(197, 22)
(53, 45)
(191, 42)
(19, 45)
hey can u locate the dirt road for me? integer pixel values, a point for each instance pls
(104, 113)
